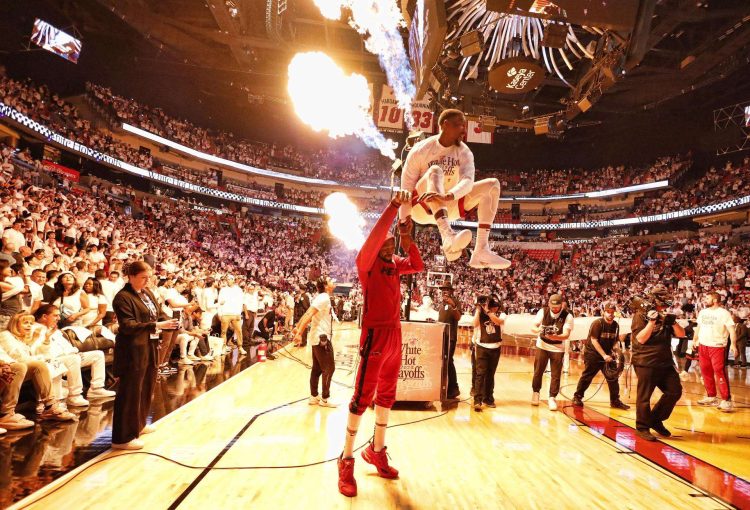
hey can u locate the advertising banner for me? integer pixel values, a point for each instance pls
(421, 377)
(68, 173)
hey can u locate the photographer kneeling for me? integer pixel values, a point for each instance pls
(652, 333)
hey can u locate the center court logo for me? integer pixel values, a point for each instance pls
(512, 72)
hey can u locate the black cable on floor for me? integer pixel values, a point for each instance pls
(229, 468)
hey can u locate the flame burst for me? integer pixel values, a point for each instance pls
(329, 100)
(345, 222)
(378, 21)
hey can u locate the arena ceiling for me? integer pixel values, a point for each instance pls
(238, 50)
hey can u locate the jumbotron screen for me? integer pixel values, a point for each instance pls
(426, 36)
(56, 41)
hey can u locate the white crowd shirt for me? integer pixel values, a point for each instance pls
(713, 326)
(230, 300)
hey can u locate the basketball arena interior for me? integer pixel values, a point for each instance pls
(402, 254)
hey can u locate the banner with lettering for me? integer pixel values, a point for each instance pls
(422, 377)
(424, 117)
(474, 133)
(389, 116)
(68, 173)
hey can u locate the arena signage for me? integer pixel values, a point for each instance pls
(516, 75)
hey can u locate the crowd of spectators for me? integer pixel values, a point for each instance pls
(716, 185)
(545, 182)
(324, 163)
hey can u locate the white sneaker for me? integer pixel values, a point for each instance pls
(726, 406)
(552, 404)
(535, 398)
(15, 422)
(94, 393)
(454, 244)
(77, 401)
(326, 403)
(3, 431)
(484, 258)
(194, 357)
(314, 401)
(135, 444)
(708, 401)
(684, 375)
(148, 429)
(207, 357)
(242, 351)
(185, 361)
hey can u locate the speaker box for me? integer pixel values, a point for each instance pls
(515, 211)
(279, 189)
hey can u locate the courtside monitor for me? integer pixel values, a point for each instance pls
(56, 41)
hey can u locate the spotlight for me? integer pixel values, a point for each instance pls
(471, 43)
(584, 104)
(555, 35)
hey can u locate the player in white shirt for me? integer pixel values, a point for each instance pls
(439, 172)
(553, 325)
(715, 325)
(320, 318)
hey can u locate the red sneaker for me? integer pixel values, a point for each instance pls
(380, 461)
(347, 483)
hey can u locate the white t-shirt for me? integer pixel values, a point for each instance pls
(251, 301)
(568, 326)
(713, 326)
(321, 322)
(230, 300)
(457, 163)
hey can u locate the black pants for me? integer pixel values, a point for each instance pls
(453, 390)
(649, 378)
(555, 360)
(742, 354)
(133, 400)
(473, 365)
(324, 365)
(484, 382)
(593, 366)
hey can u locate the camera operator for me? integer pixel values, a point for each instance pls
(320, 318)
(487, 352)
(450, 314)
(652, 333)
(603, 336)
(553, 324)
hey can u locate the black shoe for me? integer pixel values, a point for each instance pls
(490, 404)
(645, 434)
(660, 429)
(577, 402)
(453, 395)
(478, 407)
(619, 405)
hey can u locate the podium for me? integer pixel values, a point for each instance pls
(424, 367)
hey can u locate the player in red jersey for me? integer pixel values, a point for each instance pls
(380, 343)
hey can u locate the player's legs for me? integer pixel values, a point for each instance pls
(440, 212)
(484, 196)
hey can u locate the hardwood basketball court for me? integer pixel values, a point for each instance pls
(254, 441)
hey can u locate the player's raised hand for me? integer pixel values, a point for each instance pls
(400, 197)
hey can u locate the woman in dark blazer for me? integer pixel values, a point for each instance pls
(136, 353)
